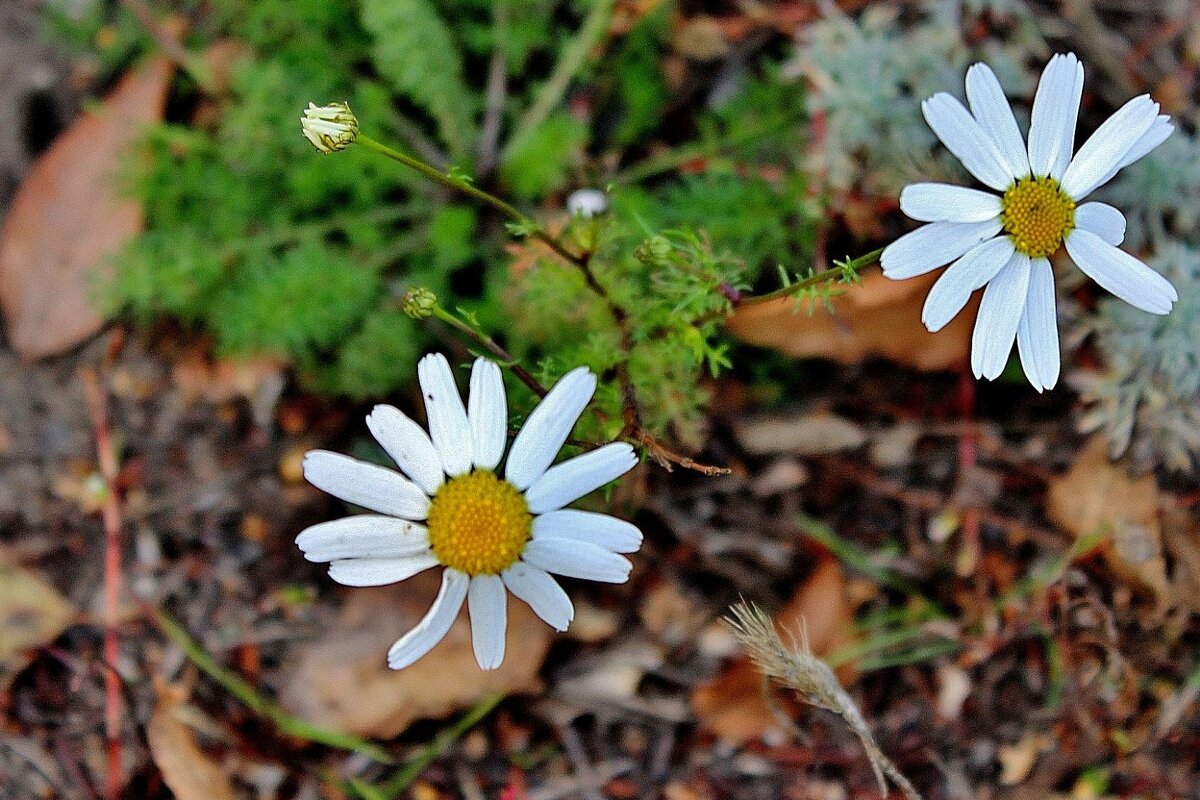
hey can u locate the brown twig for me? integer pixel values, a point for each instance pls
(97, 402)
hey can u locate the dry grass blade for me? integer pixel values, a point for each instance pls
(797, 668)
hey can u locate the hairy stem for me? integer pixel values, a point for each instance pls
(462, 186)
(831, 275)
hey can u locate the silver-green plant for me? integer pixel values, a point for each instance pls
(1146, 398)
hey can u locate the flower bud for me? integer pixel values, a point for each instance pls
(330, 128)
(418, 303)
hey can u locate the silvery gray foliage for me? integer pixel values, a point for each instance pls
(1161, 194)
(867, 77)
(1146, 398)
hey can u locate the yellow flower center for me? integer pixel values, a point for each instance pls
(1037, 214)
(478, 523)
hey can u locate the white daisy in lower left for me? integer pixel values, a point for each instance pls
(452, 508)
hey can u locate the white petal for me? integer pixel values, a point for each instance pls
(999, 315)
(1055, 110)
(541, 592)
(1120, 273)
(1102, 152)
(954, 287)
(367, 485)
(487, 603)
(930, 246)
(1156, 135)
(990, 107)
(1103, 220)
(488, 413)
(574, 478)
(434, 625)
(409, 446)
(548, 426)
(1159, 132)
(942, 202)
(362, 536)
(380, 571)
(1037, 335)
(602, 530)
(448, 426)
(962, 136)
(577, 560)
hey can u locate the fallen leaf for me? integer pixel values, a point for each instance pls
(809, 435)
(1097, 496)
(187, 770)
(32, 612)
(1017, 760)
(342, 680)
(1181, 535)
(733, 704)
(880, 317)
(69, 215)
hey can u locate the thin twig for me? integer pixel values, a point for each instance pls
(97, 402)
(496, 93)
(594, 27)
(167, 37)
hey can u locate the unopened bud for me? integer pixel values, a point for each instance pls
(587, 203)
(330, 128)
(419, 303)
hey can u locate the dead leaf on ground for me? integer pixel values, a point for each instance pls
(69, 215)
(32, 612)
(881, 317)
(342, 680)
(807, 435)
(188, 771)
(733, 705)
(1097, 496)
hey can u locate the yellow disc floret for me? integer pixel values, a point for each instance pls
(478, 523)
(1037, 214)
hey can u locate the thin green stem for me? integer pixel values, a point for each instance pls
(493, 347)
(853, 266)
(468, 189)
(241, 689)
(415, 766)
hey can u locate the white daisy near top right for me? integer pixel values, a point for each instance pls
(1004, 241)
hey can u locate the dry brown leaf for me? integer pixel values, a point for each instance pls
(733, 705)
(342, 680)
(1097, 495)
(32, 612)
(1181, 533)
(69, 215)
(187, 770)
(808, 435)
(881, 317)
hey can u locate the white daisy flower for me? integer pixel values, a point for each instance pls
(451, 508)
(1004, 241)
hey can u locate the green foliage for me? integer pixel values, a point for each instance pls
(539, 164)
(414, 49)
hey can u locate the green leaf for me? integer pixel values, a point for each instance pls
(541, 162)
(414, 50)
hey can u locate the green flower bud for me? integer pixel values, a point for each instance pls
(419, 303)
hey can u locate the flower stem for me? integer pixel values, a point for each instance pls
(840, 272)
(459, 185)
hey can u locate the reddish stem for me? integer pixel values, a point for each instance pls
(97, 401)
